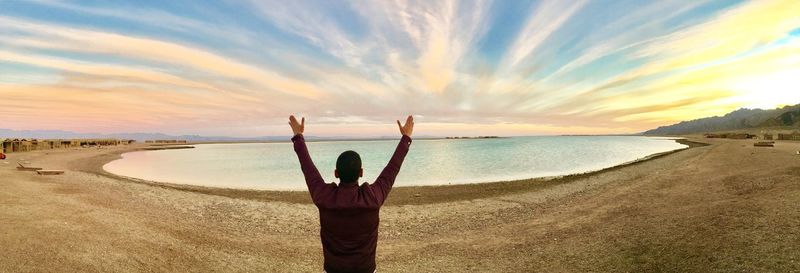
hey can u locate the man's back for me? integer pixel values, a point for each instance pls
(349, 213)
(349, 228)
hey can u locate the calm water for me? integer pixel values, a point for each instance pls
(430, 162)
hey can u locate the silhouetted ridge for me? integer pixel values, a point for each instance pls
(788, 116)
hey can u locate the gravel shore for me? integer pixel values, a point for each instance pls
(724, 207)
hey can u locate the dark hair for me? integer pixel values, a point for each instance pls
(349, 166)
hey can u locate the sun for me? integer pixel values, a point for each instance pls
(767, 91)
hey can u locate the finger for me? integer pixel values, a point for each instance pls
(292, 119)
(399, 125)
(410, 119)
(303, 122)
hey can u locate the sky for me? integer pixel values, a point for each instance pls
(240, 68)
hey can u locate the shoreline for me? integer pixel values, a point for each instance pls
(727, 207)
(405, 195)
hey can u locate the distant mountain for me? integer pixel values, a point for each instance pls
(195, 138)
(58, 134)
(788, 116)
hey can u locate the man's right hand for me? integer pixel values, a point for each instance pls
(297, 127)
(408, 128)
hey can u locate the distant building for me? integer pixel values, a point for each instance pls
(26, 145)
(768, 137)
(5, 145)
(741, 136)
(792, 136)
(731, 135)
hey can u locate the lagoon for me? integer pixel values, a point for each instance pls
(274, 166)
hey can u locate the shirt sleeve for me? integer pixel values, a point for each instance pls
(385, 181)
(314, 180)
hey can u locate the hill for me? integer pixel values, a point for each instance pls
(59, 134)
(788, 116)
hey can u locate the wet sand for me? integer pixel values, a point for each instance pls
(724, 207)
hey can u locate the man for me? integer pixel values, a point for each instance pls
(348, 212)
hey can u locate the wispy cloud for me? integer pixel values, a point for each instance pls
(545, 19)
(496, 67)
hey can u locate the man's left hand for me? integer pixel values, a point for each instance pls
(297, 127)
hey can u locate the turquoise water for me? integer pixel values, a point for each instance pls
(274, 166)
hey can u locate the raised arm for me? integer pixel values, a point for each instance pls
(385, 180)
(314, 180)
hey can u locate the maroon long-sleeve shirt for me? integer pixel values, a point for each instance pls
(349, 213)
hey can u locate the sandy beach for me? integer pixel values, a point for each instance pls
(725, 207)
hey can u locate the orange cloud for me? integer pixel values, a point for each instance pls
(158, 51)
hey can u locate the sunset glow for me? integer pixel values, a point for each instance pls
(353, 67)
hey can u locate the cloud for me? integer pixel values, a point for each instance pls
(546, 19)
(698, 60)
(573, 66)
(80, 40)
(157, 18)
(136, 74)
